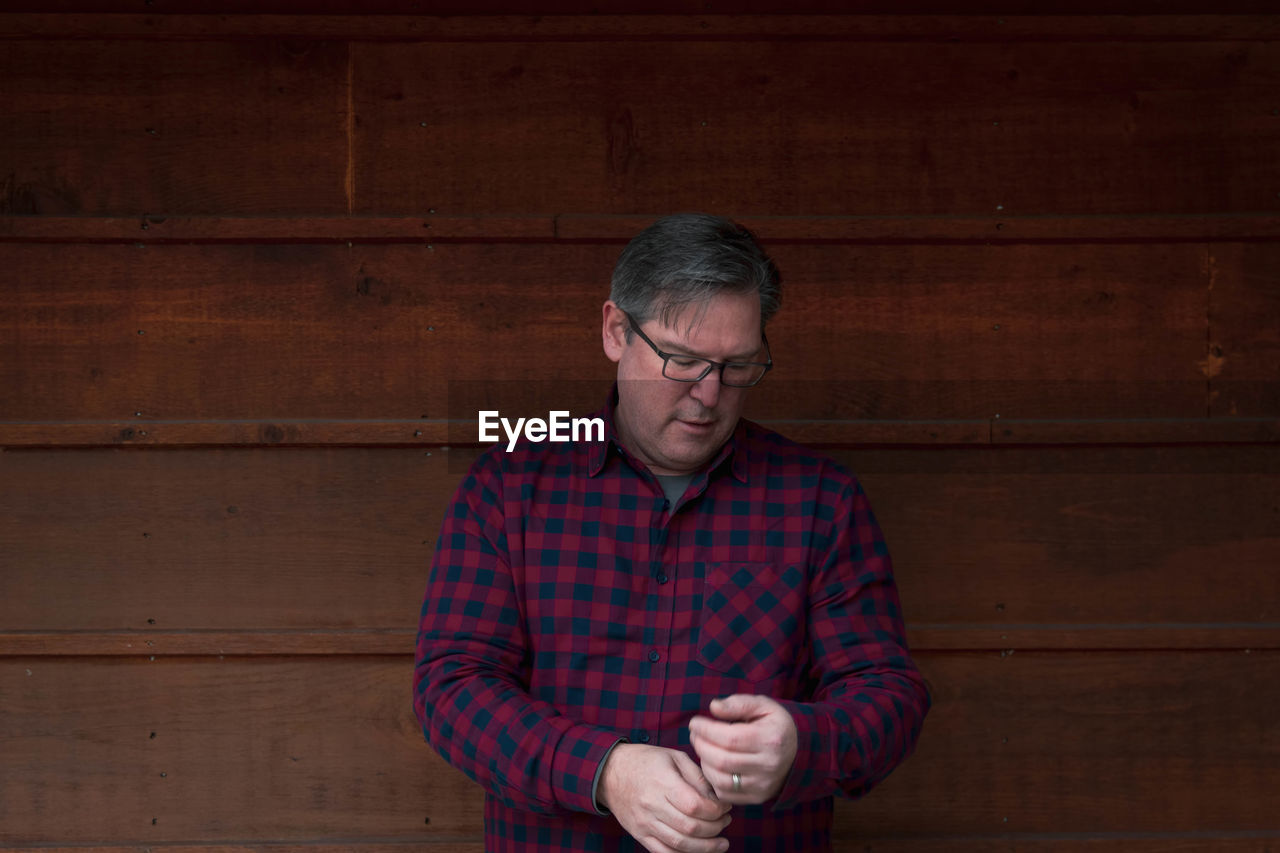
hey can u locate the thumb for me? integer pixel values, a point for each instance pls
(739, 706)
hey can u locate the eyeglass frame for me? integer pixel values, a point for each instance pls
(711, 365)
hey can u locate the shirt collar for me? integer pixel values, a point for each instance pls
(734, 450)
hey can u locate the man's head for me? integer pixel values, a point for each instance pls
(693, 285)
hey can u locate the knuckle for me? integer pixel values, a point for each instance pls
(679, 841)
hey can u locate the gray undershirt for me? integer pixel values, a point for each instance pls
(673, 485)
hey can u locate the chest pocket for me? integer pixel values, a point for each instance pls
(752, 619)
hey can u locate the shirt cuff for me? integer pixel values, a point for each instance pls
(575, 769)
(813, 771)
(595, 785)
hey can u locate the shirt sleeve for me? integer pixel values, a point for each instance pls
(471, 673)
(869, 700)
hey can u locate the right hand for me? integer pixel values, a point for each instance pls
(662, 799)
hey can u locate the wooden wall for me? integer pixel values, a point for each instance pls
(257, 268)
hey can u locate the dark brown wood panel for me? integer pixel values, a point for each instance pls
(286, 749)
(463, 432)
(809, 128)
(299, 331)
(215, 540)
(930, 637)
(1244, 356)
(131, 750)
(263, 332)
(823, 20)
(994, 229)
(1155, 542)
(666, 7)
(126, 127)
(1176, 742)
(976, 331)
(1246, 842)
(1086, 538)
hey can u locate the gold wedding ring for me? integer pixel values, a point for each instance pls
(737, 783)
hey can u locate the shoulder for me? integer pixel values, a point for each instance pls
(772, 455)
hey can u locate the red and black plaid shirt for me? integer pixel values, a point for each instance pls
(571, 607)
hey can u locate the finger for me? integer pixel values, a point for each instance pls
(685, 826)
(751, 788)
(654, 844)
(666, 838)
(681, 830)
(729, 793)
(705, 805)
(727, 761)
(736, 737)
(741, 706)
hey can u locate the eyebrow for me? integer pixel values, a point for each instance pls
(666, 346)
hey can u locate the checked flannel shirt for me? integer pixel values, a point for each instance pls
(571, 607)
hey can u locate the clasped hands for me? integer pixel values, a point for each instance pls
(668, 803)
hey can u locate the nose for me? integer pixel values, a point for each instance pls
(707, 389)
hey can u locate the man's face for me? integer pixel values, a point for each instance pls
(676, 427)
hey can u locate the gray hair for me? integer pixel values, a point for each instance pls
(687, 258)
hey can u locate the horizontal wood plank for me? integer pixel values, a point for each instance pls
(94, 127)
(1085, 743)
(922, 637)
(998, 547)
(173, 750)
(320, 846)
(126, 334)
(295, 539)
(1167, 842)
(155, 229)
(517, 20)
(286, 749)
(440, 435)
(329, 127)
(814, 128)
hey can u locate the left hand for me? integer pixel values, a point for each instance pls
(752, 736)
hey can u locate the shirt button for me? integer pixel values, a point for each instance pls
(662, 577)
(643, 737)
(666, 504)
(654, 656)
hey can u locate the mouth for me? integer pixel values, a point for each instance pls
(697, 427)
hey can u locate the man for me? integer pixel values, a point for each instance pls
(686, 636)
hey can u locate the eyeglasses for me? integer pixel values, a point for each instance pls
(689, 368)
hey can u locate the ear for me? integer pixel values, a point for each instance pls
(613, 330)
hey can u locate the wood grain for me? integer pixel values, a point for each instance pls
(261, 539)
(286, 749)
(115, 127)
(289, 332)
(155, 229)
(464, 432)
(1243, 362)
(921, 636)
(981, 21)
(1179, 842)
(816, 128)
(1085, 744)
(221, 750)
